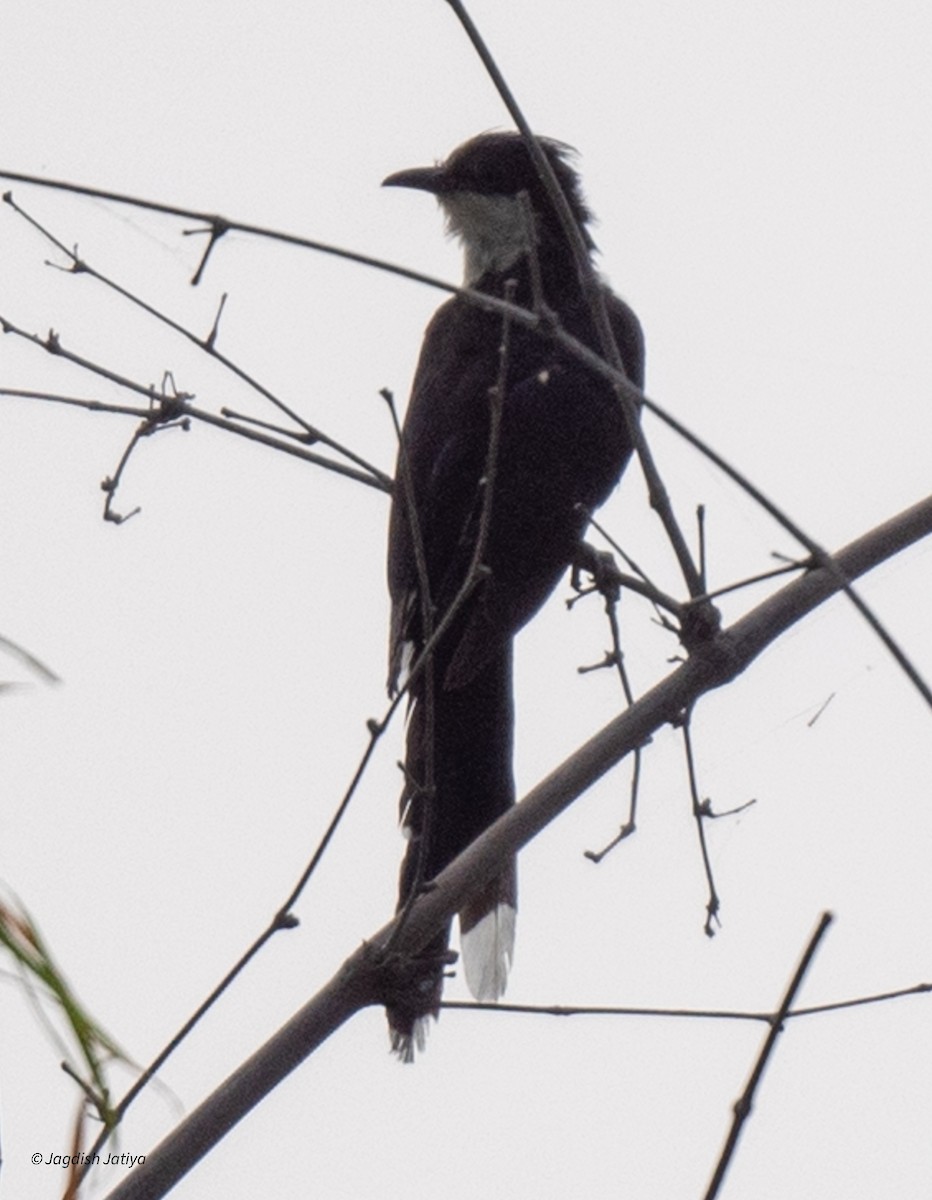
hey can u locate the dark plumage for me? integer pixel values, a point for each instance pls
(563, 444)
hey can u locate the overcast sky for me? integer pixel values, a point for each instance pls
(760, 174)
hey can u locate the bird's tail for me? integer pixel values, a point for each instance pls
(487, 935)
(473, 725)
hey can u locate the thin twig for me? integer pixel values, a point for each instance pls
(81, 266)
(34, 664)
(820, 556)
(705, 1014)
(634, 583)
(611, 592)
(423, 790)
(52, 345)
(628, 827)
(297, 435)
(162, 416)
(211, 338)
(123, 410)
(917, 989)
(822, 707)
(744, 1104)
(699, 813)
(283, 919)
(641, 583)
(761, 577)
(213, 222)
(595, 295)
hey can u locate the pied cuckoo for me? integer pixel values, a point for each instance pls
(563, 444)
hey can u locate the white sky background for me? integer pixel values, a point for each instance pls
(760, 175)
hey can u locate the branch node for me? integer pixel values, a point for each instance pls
(217, 228)
(700, 623)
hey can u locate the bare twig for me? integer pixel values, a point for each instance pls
(52, 345)
(592, 289)
(703, 572)
(217, 223)
(161, 417)
(283, 919)
(208, 345)
(423, 790)
(822, 707)
(692, 1014)
(123, 410)
(917, 989)
(760, 577)
(610, 589)
(635, 583)
(639, 581)
(629, 826)
(700, 811)
(34, 664)
(297, 435)
(744, 1104)
(210, 340)
(819, 555)
(217, 227)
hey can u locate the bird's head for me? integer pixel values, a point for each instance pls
(478, 186)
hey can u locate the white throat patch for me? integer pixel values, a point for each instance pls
(492, 230)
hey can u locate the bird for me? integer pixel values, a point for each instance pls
(563, 444)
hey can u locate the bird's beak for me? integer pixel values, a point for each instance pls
(425, 179)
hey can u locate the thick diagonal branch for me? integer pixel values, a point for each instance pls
(357, 983)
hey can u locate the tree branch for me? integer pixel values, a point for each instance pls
(742, 1108)
(357, 983)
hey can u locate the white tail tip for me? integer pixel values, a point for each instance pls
(488, 950)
